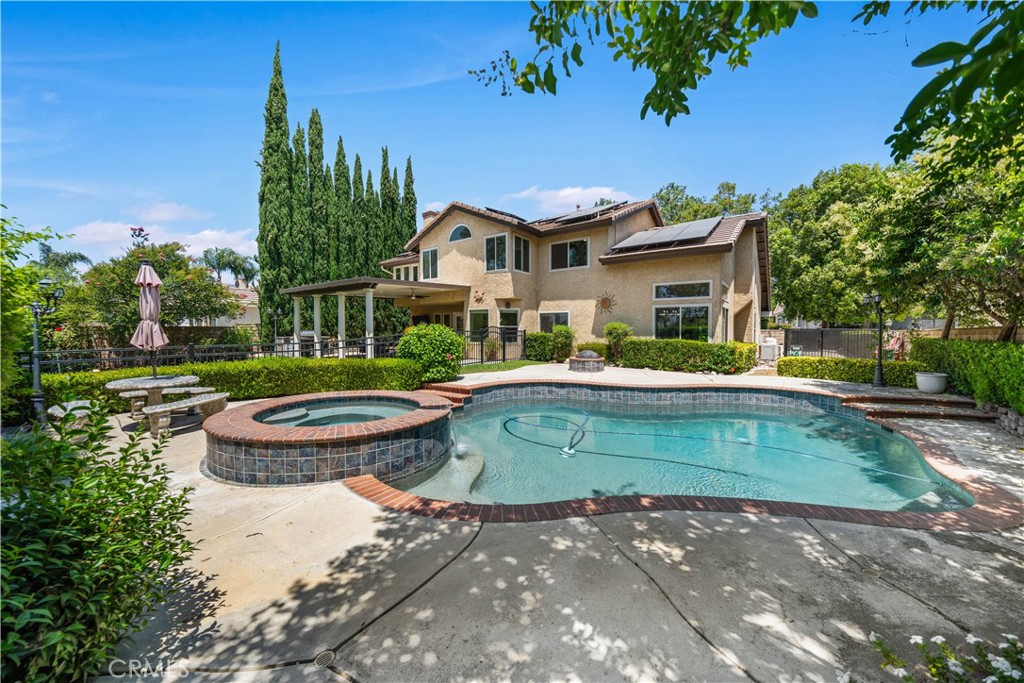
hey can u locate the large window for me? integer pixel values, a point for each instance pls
(571, 254)
(549, 320)
(461, 232)
(521, 254)
(478, 323)
(682, 322)
(429, 264)
(496, 252)
(683, 290)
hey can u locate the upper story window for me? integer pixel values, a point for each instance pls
(460, 232)
(429, 258)
(683, 290)
(571, 254)
(521, 254)
(496, 253)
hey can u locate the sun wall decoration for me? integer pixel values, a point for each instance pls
(605, 303)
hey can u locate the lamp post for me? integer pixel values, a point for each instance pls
(49, 305)
(876, 299)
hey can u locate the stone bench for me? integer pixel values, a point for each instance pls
(139, 396)
(79, 409)
(160, 415)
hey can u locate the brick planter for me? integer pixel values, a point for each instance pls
(242, 450)
(577, 364)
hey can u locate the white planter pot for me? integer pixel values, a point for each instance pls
(932, 382)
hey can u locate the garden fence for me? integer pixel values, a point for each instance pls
(832, 342)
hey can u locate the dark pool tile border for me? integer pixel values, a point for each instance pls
(994, 508)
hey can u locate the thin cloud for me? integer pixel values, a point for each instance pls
(567, 198)
(241, 241)
(435, 206)
(65, 188)
(167, 212)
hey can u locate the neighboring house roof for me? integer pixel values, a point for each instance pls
(581, 219)
(248, 297)
(400, 260)
(696, 237)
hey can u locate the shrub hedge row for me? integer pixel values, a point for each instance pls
(249, 379)
(600, 348)
(988, 371)
(688, 356)
(897, 373)
(539, 346)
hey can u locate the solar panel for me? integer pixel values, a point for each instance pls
(506, 213)
(586, 213)
(680, 232)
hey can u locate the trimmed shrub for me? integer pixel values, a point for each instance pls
(897, 373)
(688, 356)
(93, 541)
(563, 339)
(600, 348)
(437, 348)
(248, 379)
(616, 333)
(988, 371)
(539, 345)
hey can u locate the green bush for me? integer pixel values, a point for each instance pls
(600, 348)
(248, 379)
(538, 346)
(616, 333)
(988, 371)
(688, 356)
(563, 338)
(93, 540)
(898, 373)
(437, 348)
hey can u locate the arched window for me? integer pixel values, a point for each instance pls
(461, 232)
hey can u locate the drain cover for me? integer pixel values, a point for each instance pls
(871, 571)
(324, 659)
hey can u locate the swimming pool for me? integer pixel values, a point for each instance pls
(532, 450)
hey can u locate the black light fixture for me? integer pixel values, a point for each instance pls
(50, 295)
(277, 314)
(876, 299)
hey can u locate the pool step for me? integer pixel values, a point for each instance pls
(943, 400)
(455, 479)
(932, 411)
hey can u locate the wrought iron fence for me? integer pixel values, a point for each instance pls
(832, 342)
(492, 344)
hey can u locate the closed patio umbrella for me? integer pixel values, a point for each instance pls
(149, 336)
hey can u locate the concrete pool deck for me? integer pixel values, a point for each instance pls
(284, 574)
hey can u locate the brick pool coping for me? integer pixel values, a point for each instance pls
(239, 424)
(994, 507)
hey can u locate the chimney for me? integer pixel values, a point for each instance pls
(577, 207)
(428, 216)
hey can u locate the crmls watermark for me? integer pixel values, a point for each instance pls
(136, 668)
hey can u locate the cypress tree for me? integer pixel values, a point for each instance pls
(408, 224)
(319, 218)
(330, 303)
(397, 243)
(274, 198)
(374, 228)
(343, 214)
(298, 250)
(388, 205)
(358, 226)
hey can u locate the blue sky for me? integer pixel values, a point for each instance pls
(121, 114)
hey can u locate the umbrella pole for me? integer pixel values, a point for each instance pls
(152, 355)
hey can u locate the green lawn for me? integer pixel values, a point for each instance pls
(497, 367)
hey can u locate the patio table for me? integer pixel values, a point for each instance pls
(153, 386)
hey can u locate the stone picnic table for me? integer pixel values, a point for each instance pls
(153, 386)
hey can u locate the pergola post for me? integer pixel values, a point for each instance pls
(296, 325)
(369, 323)
(317, 351)
(341, 325)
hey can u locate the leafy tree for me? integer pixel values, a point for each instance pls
(18, 288)
(275, 198)
(108, 293)
(818, 272)
(678, 43)
(59, 266)
(679, 206)
(604, 201)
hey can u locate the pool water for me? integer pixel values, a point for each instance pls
(532, 452)
(326, 413)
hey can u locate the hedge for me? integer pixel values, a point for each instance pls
(438, 348)
(688, 356)
(249, 379)
(600, 348)
(899, 373)
(539, 346)
(988, 371)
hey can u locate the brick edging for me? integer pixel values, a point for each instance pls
(994, 508)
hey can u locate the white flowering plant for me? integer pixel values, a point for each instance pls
(977, 660)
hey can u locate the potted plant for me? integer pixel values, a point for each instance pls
(932, 382)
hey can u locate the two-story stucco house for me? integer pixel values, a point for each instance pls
(705, 280)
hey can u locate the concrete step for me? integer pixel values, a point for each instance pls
(449, 387)
(942, 400)
(456, 399)
(938, 412)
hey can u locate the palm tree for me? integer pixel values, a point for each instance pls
(242, 268)
(217, 259)
(60, 265)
